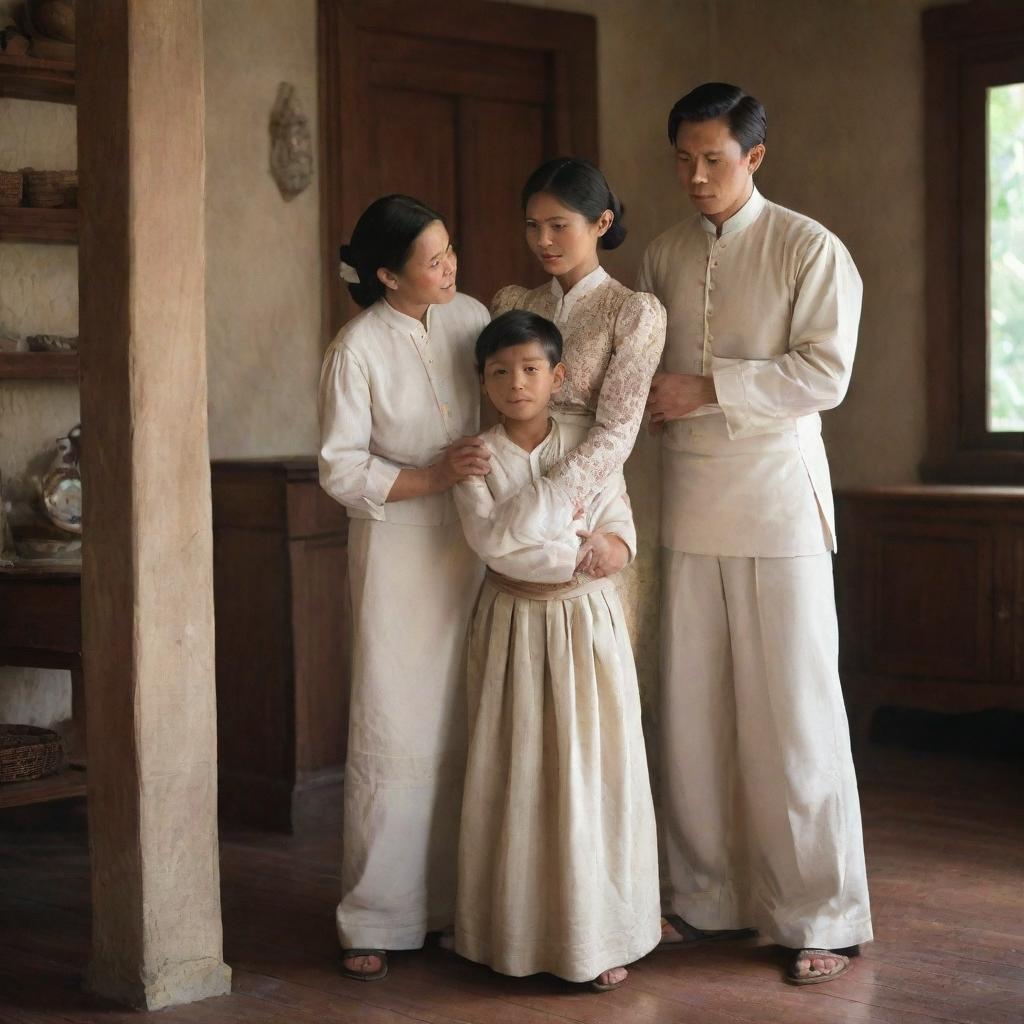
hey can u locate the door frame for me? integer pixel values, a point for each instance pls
(569, 40)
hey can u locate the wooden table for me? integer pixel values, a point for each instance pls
(41, 627)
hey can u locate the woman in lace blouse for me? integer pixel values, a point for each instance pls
(613, 335)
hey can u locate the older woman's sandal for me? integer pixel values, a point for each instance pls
(351, 972)
(814, 976)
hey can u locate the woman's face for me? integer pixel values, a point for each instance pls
(563, 239)
(428, 277)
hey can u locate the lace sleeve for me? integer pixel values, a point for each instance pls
(509, 297)
(639, 338)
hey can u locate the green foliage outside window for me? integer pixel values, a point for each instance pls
(1006, 258)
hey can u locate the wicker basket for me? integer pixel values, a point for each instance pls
(50, 188)
(10, 188)
(28, 752)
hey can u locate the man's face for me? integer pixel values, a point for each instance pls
(717, 175)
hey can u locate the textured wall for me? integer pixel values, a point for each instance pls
(842, 81)
(262, 252)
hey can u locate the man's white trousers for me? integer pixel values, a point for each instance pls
(760, 812)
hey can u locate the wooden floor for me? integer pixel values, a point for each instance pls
(945, 844)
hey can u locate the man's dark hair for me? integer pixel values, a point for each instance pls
(748, 123)
(517, 327)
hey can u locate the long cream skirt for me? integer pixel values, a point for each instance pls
(413, 589)
(558, 865)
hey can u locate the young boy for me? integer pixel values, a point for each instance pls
(558, 868)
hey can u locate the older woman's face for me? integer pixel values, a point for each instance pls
(428, 277)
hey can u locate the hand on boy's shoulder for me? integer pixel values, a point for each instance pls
(467, 457)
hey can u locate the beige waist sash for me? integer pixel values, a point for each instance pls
(579, 585)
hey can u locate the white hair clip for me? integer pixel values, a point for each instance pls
(348, 273)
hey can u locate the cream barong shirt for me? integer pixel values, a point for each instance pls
(748, 477)
(393, 395)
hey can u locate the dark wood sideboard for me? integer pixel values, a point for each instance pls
(41, 627)
(280, 593)
(930, 592)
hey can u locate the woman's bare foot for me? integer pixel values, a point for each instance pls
(363, 964)
(612, 978)
(810, 966)
(677, 932)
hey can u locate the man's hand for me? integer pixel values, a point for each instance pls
(601, 554)
(465, 458)
(675, 395)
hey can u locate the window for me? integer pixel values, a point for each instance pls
(1006, 258)
(974, 136)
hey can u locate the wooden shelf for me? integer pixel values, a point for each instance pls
(65, 784)
(36, 224)
(31, 78)
(38, 365)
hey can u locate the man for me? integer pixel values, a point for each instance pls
(761, 813)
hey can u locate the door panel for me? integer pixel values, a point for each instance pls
(414, 148)
(454, 104)
(500, 144)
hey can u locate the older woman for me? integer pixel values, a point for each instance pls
(399, 405)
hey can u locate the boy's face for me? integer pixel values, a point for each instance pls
(520, 381)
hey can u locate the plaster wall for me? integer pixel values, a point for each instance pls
(843, 83)
(262, 251)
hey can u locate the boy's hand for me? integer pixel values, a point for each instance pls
(465, 458)
(601, 554)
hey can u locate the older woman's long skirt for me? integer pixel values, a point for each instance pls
(558, 863)
(413, 589)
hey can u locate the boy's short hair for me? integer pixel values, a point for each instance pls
(517, 327)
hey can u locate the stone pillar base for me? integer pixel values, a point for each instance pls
(185, 982)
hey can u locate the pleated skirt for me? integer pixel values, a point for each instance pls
(558, 864)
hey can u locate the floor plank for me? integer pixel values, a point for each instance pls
(945, 845)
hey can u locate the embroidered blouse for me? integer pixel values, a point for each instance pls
(613, 340)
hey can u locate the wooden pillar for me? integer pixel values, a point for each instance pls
(147, 572)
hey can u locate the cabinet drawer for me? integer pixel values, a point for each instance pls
(312, 512)
(43, 615)
(928, 599)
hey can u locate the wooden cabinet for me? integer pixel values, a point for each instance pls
(280, 592)
(41, 627)
(930, 591)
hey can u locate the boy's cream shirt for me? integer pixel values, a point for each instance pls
(524, 526)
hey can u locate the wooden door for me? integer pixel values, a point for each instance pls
(453, 103)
